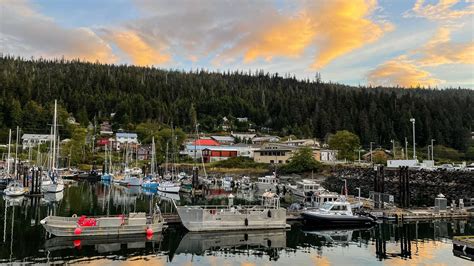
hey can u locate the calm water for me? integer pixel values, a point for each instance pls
(23, 239)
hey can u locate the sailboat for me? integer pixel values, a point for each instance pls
(170, 186)
(107, 175)
(152, 182)
(14, 189)
(52, 182)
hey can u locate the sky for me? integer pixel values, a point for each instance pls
(408, 43)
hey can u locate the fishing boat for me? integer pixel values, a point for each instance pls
(244, 183)
(267, 183)
(133, 223)
(229, 217)
(14, 189)
(227, 181)
(305, 188)
(335, 214)
(169, 187)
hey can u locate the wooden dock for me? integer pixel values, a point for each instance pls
(420, 215)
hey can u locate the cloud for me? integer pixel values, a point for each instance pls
(402, 72)
(26, 32)
(443, 10)
(440, 50)
(139, 51)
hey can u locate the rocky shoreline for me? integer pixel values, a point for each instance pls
(424, 185)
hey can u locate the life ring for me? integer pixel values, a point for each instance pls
(74, 215)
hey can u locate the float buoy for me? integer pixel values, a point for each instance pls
(269, 214)
(77, 231)
(149, 231)
(246, 222)
(77, 243)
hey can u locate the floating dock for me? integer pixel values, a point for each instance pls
(420, 214)
(463, 246)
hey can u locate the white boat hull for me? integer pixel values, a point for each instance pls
(197, 219)
(52, 187)
(169, 189)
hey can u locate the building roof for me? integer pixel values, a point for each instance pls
(126, 135)
(222, 148)
(37, 136)
(205, 142)
(265, 138)
(223, 138)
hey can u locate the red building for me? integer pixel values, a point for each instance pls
(218, 154)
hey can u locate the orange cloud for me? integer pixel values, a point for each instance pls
(288, 38)
(334, 27)
(343, 26)
(440, 50)
(443, 10)
(138, 49)
(401, 72)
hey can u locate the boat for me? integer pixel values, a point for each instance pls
(131, 180)
(244, 183)
(201, 242)
(14, 189)
(169, 187)
(48, 185)
(229, 217)
(227, 181)
(150, 184)
(107, 175)
(335, 214)
(133, 223)
(305, 188)
(322, 196)
(267, 183)
(102, 244)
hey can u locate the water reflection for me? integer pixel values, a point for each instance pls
(24, 240)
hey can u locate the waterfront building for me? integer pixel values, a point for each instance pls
(33, 140)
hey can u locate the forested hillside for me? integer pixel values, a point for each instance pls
(285, 105)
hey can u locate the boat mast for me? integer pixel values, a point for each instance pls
(152, 156)
(53, 161)
(8, 156)
(16, 151)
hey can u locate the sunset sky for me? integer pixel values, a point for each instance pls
(384, 42)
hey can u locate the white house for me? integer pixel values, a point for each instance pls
(123, 138)
(244, 137)
(33, 140)
(328, 155)
(265, 139)
(302, 142)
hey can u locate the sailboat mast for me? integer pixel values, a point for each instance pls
(53, 166)
(153, 156)
(8, 156)
(16, 149)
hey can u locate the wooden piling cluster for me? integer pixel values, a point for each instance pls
(404, 187)
(35, 189)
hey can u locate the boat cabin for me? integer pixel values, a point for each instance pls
(307, 185)
(337, 207)
(323, 197)
(269, 179)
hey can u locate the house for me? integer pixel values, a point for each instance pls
(386, 154)
(280, 153)
(302, 142)
(214, 154)
(226, 140)
(125, 139)
(265, 139)
(71, 120)
(326, 155)
(33, 140)
(144, 152)
(106, 128)
(274, 154)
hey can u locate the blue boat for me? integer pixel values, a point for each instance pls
(150, 184)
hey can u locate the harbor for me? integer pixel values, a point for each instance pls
(391, 240)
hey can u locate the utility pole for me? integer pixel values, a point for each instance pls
(432, 149)
(412, 120)
(371, 159)
(429, 152)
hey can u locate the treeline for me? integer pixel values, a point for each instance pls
(282, 105)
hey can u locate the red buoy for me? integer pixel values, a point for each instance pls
(77, 231)
(149, 231)
(77, 243)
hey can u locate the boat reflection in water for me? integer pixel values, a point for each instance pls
(342, 237)
(242, 242)
(104, 244)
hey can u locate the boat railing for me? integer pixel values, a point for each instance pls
(222, 207)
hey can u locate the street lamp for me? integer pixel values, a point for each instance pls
(412, 120)
(393, 148)
(358, 188)
(406, 149)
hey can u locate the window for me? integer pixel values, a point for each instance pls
(280, 161)
(271, 161)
